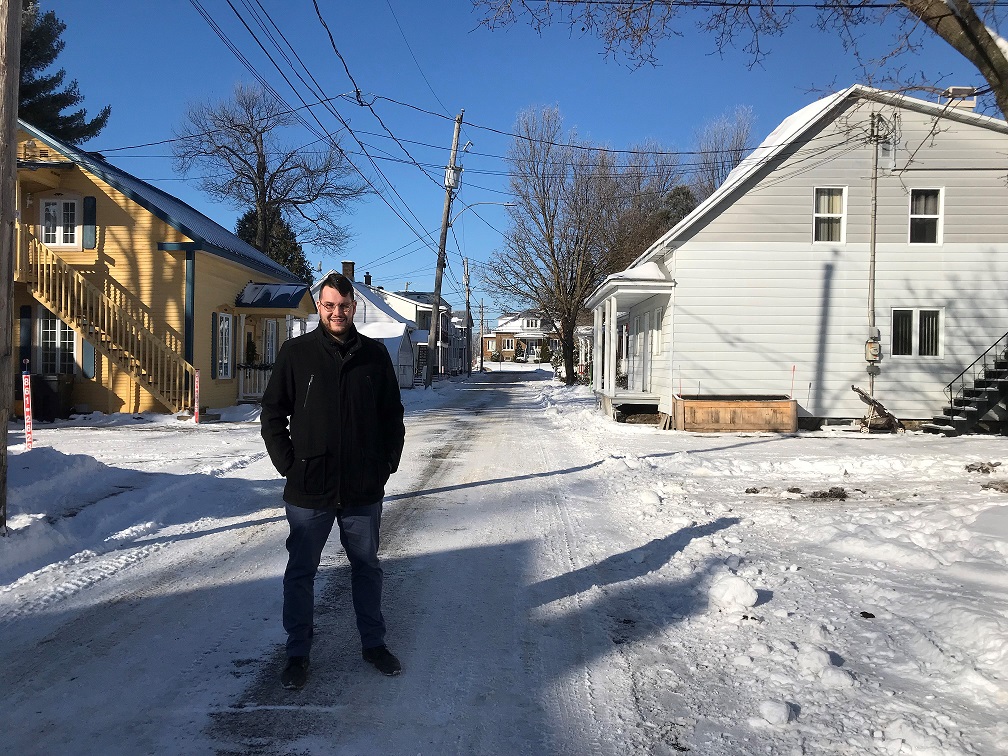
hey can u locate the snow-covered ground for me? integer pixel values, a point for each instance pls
(555, 583)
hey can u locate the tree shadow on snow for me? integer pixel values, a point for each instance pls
(625, 566)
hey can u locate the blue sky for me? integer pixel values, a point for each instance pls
(150, 60)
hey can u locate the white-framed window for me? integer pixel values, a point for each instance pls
(491, 345)
(57, 345)
(925, 216)
(507, 345)
(59, 222)
(271, 342)
(656, 340)
(918, 332)
(224, 339)
(531, 324)
(829, 215)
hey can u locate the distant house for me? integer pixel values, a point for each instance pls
(376, 319)
(763, 290)
(418, 307)
(123, 292)
(522, 333)
(460, 353)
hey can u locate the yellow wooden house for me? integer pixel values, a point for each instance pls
(123, 292)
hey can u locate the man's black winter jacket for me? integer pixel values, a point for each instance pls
(333, 425)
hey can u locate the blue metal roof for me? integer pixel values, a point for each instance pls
(209, 235)
(272, 296)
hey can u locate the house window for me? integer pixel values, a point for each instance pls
(423, 321)
(828, 215)
(57, 342)
(925, 216)
(491, 345)
(224, 338)
(917, 332)
(508, 345)
(59, 222)
(531, 324)
(271, 342)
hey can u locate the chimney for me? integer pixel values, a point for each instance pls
(348, 269)
(367, 279)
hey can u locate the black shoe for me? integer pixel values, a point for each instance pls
(295, 674)
(383, 659)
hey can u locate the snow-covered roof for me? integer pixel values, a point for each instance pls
(373, 298)
(382, 330)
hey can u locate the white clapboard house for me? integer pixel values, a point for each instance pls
(765, 289)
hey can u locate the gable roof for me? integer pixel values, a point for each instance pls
(371, 295)
(791, 130)
(420, 297)
(210, 236)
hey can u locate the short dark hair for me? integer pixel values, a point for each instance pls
(341, 283)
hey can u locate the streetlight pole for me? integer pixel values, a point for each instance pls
(451, 184)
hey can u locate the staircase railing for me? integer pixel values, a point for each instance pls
(956, 388)
(112, 331)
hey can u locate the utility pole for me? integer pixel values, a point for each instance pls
(10, 75)
(468, 330)
(452, 177)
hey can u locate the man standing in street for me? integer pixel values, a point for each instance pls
(332, 420)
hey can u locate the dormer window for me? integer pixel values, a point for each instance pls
(531, 324)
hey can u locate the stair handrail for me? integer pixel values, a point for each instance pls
(83, 305)
(999, 353)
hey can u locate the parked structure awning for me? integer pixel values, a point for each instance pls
(272, 296)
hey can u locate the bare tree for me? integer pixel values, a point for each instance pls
(554, 253)
(650, 197)
(720, 145)
(635, 26)
(236, 147)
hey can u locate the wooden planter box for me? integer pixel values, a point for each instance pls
(733, 413)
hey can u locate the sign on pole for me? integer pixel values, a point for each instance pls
(196, 409)
(26, 391)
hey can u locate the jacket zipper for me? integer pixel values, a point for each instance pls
(308, 390)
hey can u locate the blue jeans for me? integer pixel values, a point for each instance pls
(309, 531)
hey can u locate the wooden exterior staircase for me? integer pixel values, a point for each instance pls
(974, 393)
(107, 325)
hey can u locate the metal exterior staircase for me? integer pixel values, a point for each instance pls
(109, 327)
(974, 393)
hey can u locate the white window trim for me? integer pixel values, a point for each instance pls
(915, 334)
(508, 345)
(941, 217)
(61, 328)
(843, 215)
(78, 226)
(270, 347)
(225, 351)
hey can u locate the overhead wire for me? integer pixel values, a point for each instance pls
(325, 133)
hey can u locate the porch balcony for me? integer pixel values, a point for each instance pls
(252, 380)
(619, 379)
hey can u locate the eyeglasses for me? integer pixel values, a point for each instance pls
(330, 306)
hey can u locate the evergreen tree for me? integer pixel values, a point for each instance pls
(281, 243)
(43, 97)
